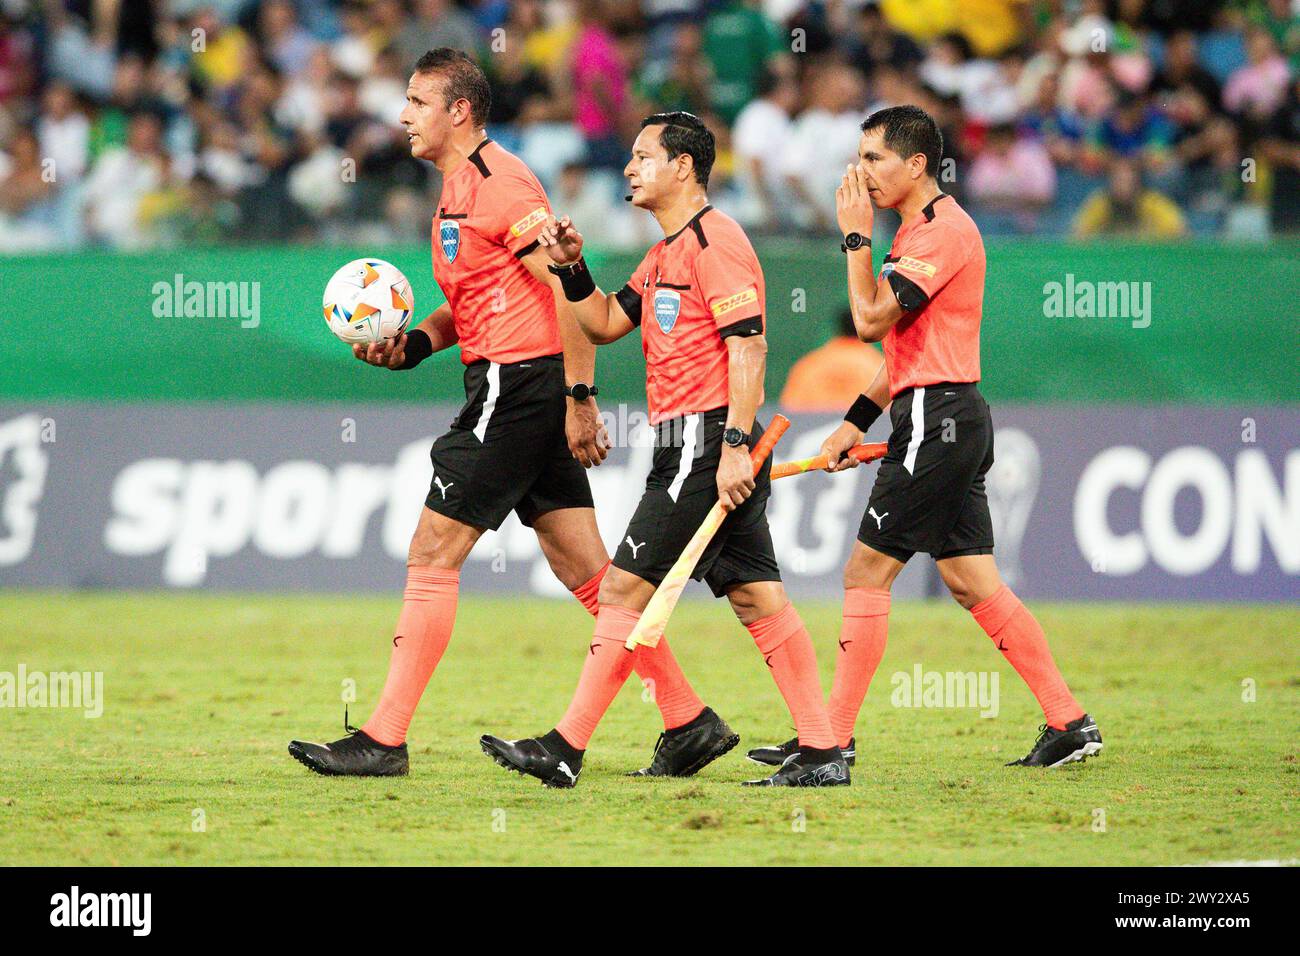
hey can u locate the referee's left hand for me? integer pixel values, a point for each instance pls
(735, 477)
(585, 433)
(390, 353)
(853, 209)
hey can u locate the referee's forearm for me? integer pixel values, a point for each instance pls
(592, 316)
(862, 295)
(440, 328)
(746, 366)
(579, 349)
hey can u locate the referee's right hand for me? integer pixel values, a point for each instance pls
(839, 442)
(390, 353)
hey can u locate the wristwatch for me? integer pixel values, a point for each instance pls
(581, 391)
(854, 240)
(735, 437)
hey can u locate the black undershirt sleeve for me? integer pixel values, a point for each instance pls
(744, 328)
(630, 301)
(909, 294)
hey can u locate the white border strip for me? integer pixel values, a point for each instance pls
(489, 403)
(691, 425)
(918, 428)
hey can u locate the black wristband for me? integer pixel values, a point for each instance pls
(863, 413)
(577, 281)
(418, 348)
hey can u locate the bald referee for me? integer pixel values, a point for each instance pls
(929, 494)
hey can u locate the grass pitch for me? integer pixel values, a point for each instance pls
(187, 764)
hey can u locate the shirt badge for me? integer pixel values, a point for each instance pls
(668, 305)
(449, 233)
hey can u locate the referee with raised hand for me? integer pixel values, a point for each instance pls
(926, 307)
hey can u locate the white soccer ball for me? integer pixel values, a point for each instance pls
(368, 300)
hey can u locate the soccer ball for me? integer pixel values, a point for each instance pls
(368, 300)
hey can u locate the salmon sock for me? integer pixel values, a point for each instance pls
(603, 674)
(863, 630)
(1020, 638)
(788, 651)
(676, 699)
(588, 594)
(423, 632)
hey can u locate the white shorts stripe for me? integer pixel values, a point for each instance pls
(690, 427)
(918, 428)
(489, 403)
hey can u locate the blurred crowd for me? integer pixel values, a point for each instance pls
(140, 123)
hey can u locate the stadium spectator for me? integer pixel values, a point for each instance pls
(1256, 89)
(829, 378)
(684, 80)
(354, 52)
(64, 133)
(288, 46)
(823, 141)
(1010, 180)
(437, 23)
(521, 91)
(1136, 129)
(120, 180)
(600, 82)
(760, 135)
(985, 90)
(221, 51)
(17, 66)
(1183, 69)
(1281, 148)
(872, 42)
(25, 192)
(1062, 133)
(1127, 208)
(248, 90)
(739, 43)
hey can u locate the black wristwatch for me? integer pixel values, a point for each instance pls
(581, 391)
(854, 240)
(734, 437)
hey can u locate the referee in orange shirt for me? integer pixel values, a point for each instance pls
(929, 494)
(698, 299)
(529, 424)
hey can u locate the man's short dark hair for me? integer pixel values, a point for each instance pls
(465, 81)
(909, 130)
(686, 133)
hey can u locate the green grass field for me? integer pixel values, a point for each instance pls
(202, 693)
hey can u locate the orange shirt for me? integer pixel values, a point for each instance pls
(490, 212)
(830, 378)
(936, 268)
(695, 287)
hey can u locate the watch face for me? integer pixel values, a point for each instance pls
(853, 240)
(580, 392)
(733, 437)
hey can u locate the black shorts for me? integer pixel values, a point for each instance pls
(929, 493)
(680, 490)
(506, 449)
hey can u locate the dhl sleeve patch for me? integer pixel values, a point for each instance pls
(733, 302)
(534, 218)
(915, 265)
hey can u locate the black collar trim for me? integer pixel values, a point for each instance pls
(477, 160)
(928, 211)
(695, 226)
